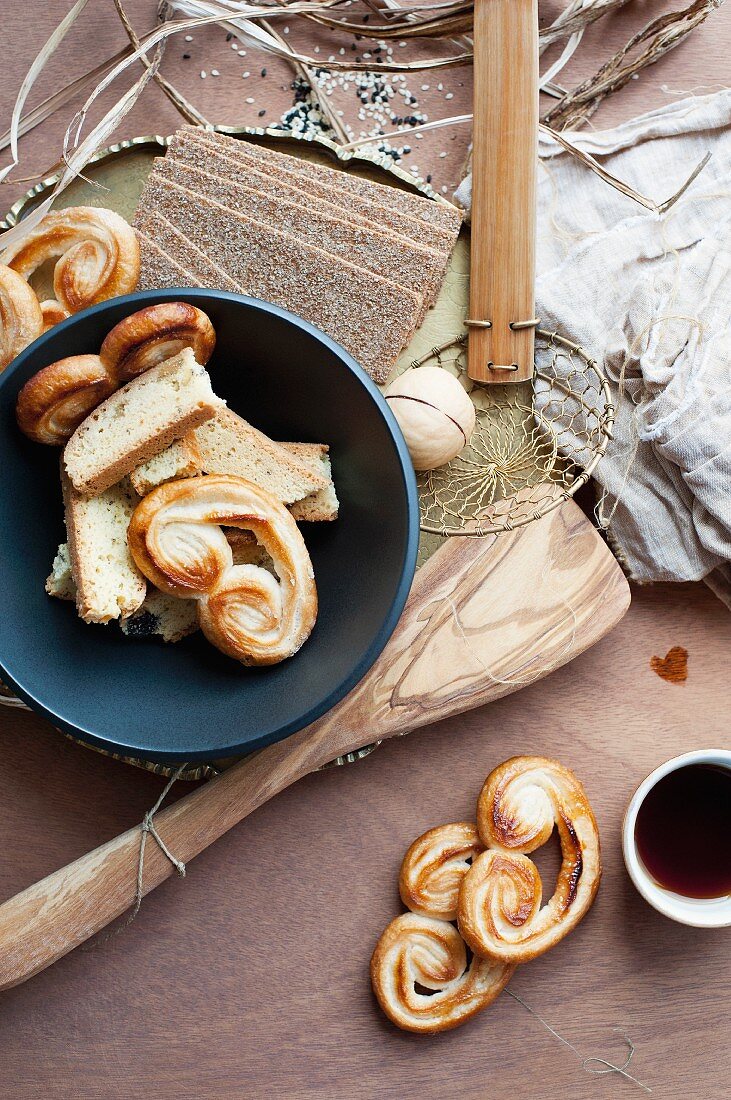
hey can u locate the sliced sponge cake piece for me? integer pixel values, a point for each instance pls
(108, 583)
(229, 445)
(181, 459)
(138, 421)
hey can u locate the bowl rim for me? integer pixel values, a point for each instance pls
(408, 565)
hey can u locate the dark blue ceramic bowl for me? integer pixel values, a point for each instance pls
(187, 701)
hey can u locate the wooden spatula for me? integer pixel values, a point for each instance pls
(485, 617)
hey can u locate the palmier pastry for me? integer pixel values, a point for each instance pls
(154, 334)
(418, 953)
(53, 403)
(499, 911)
(176, 539)
(53, 313)
(97, 255)
(434, 866)
(21, 319)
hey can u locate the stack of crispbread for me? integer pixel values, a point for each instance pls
(360, 260)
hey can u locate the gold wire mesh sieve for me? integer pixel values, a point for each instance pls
(534, 444)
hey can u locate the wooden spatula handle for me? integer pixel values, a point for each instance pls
(504, 160)
(485, 617)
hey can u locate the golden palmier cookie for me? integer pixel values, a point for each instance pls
(499, 911)
(434, 866)
(176, 539)
(21, 319)
(154, 334)
(52, 404)
(417, 951)
(53, 313)
(97, 255)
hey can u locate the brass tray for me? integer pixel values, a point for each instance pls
(114, 178)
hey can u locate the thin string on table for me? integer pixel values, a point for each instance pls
(590, 1063)
(147, 828)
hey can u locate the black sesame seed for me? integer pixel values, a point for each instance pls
(428, 179)
(263, 72)
(261, 114)
(186, 57)
(229, 37)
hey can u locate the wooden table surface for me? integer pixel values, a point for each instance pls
(248, 978)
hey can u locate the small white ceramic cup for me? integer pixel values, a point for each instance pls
(697, 912)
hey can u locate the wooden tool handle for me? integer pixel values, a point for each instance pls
(485, 617)
(504, 160)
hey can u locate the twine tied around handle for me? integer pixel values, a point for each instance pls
(147, 828)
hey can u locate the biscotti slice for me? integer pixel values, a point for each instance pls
(418, 269)
(371, 317)
(108, 583)
(198, 148)
(321, 506)
(437, 213)
(139, 421)
(157, 269)
(230, 445)
(181, 459)
(161, 615)
(180, 253)
(60, 581)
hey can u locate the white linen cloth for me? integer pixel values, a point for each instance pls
(649, 296)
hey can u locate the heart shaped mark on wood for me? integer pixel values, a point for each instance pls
(673, 667)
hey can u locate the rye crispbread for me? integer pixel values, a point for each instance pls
(410, 266)
(440, 214)
(371, 317)
(179, 253)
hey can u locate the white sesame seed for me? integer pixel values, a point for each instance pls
(449, 95)
(425, 87)
(286, 30)
(189, 38)
(246, 75)
(215, 72)
(444, 190)
(203, 74)
(250, 99)
(234, 45)
(442, 156)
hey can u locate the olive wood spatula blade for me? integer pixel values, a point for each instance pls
(485, 616)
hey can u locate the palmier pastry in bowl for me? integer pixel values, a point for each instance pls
(177, 542)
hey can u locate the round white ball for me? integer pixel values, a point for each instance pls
(434, 413)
